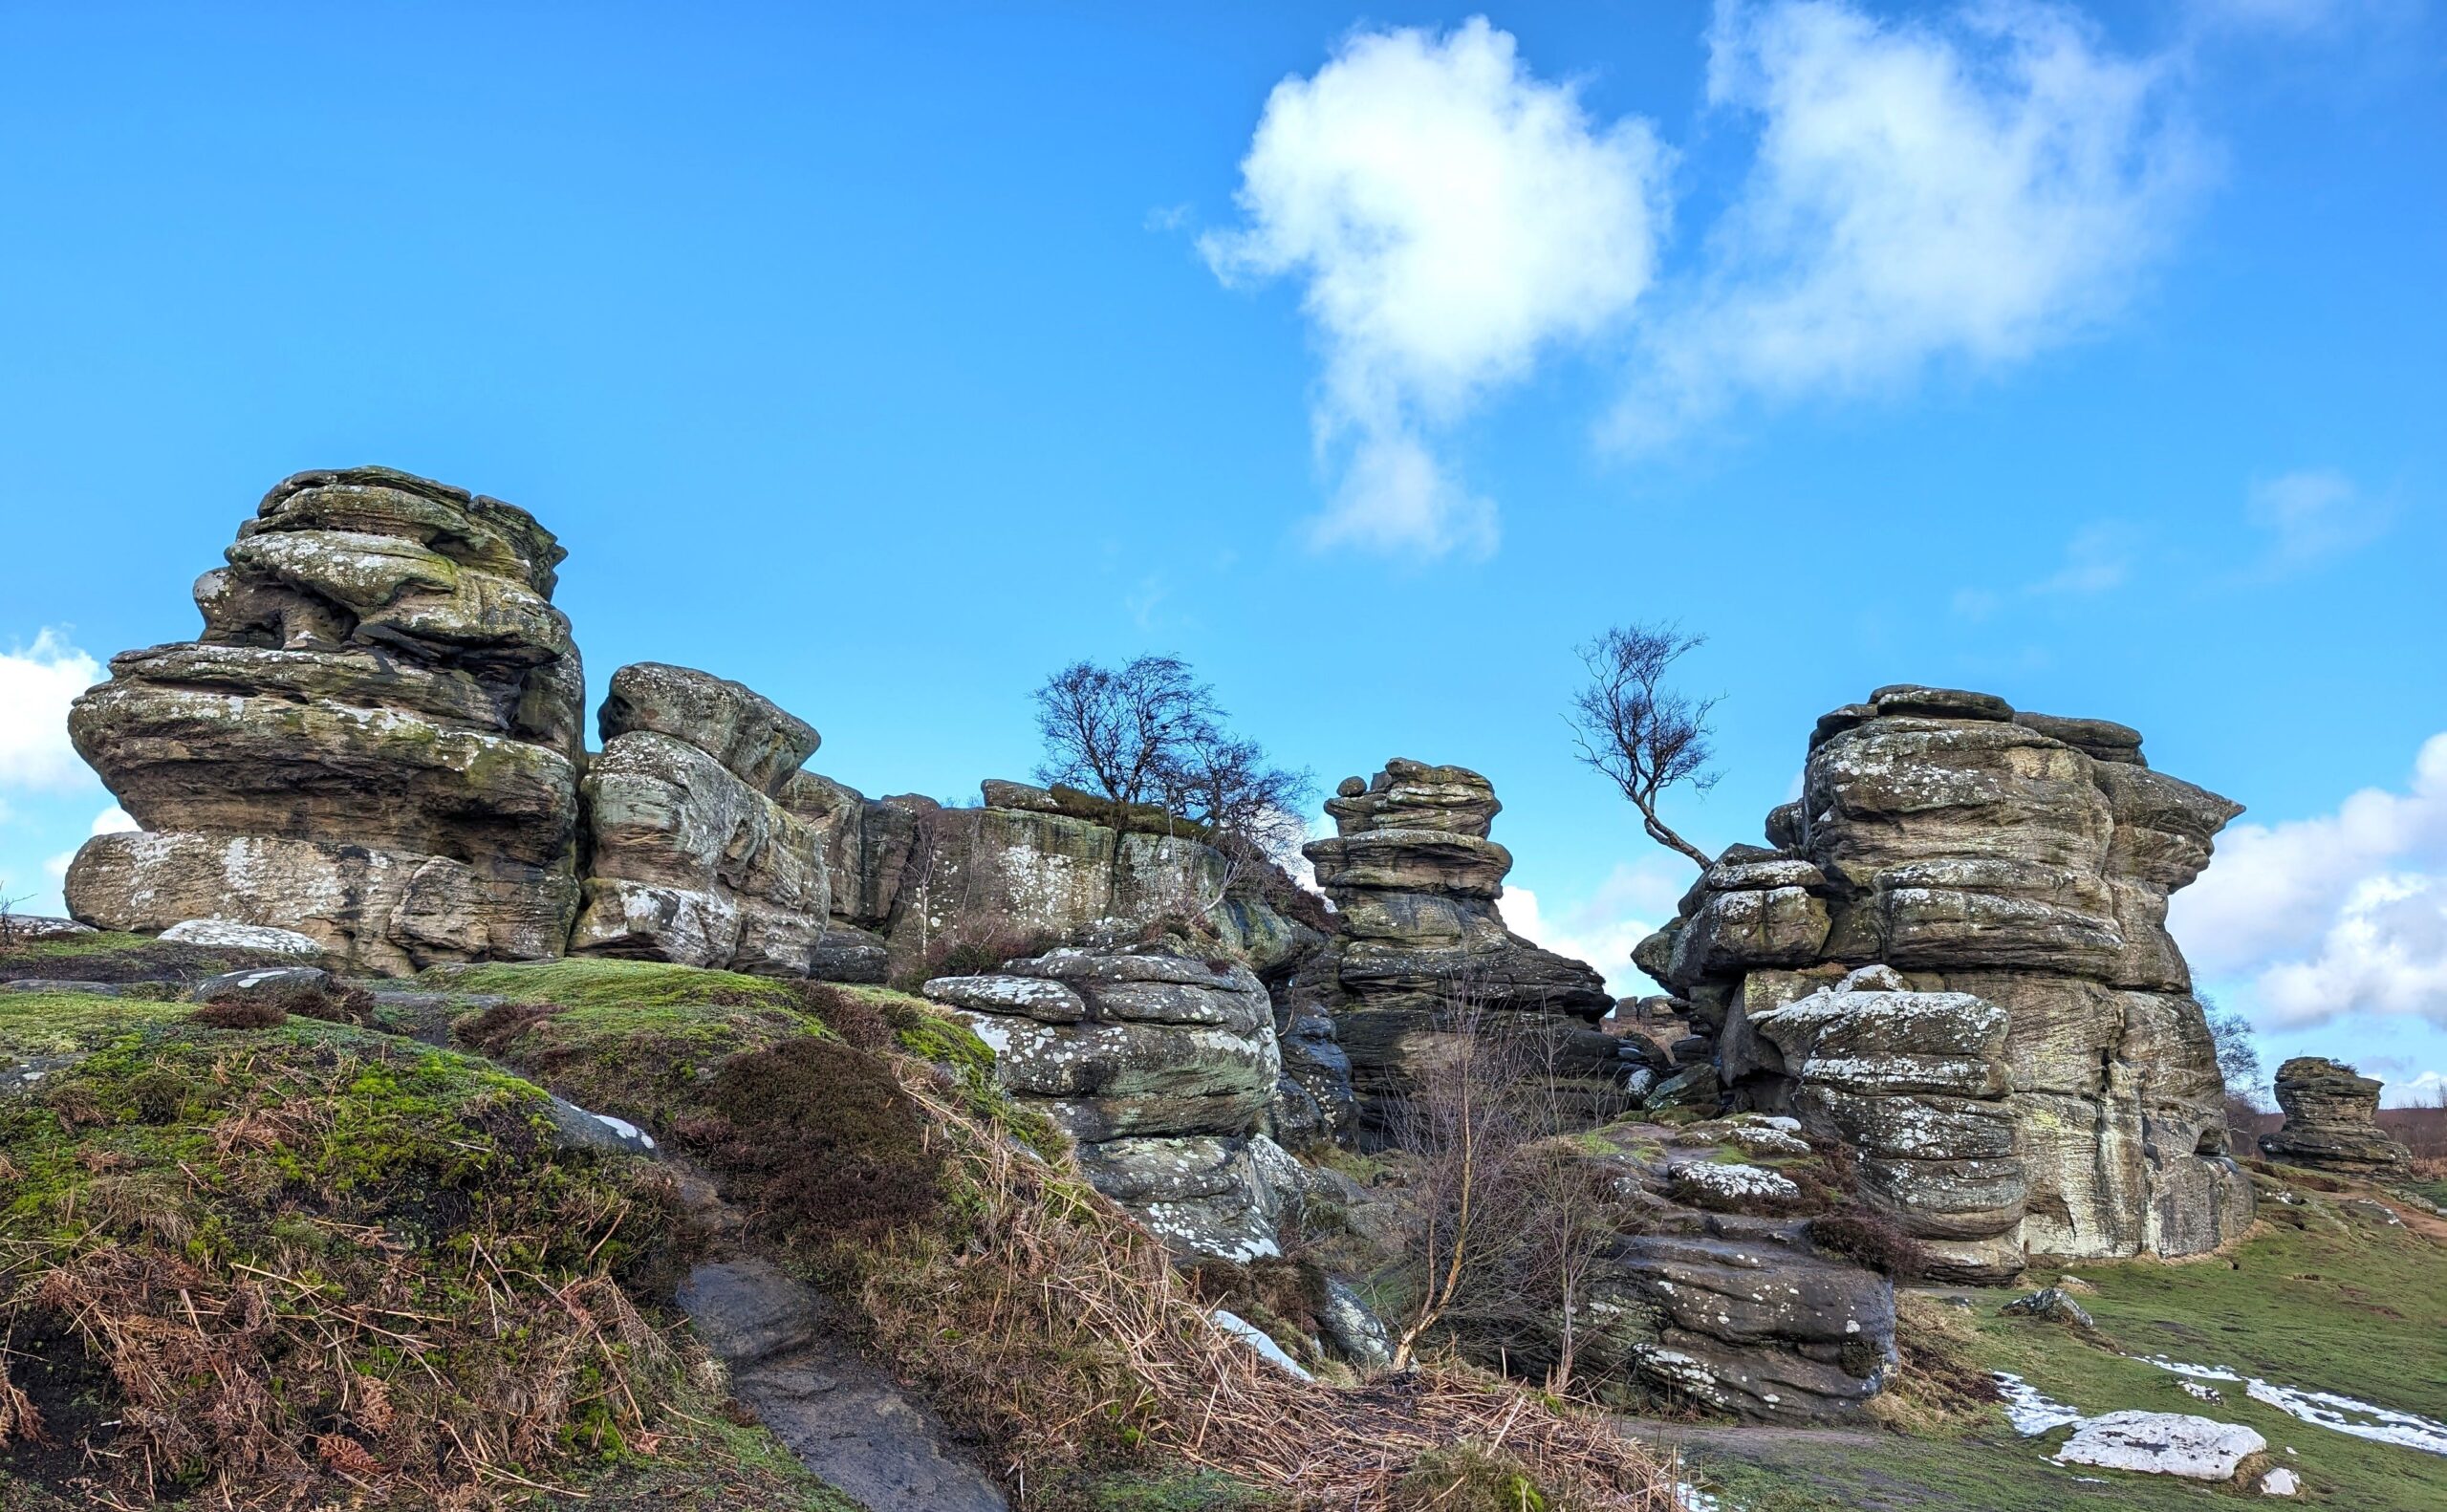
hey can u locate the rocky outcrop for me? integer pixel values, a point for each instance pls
(2013, 871)
(374, 741)
(690, 858)
(1915, 1083)
(1162, 1067)
(1415, 880)
(911, 879)
(2332, 1121)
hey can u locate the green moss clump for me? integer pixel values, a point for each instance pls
(585, 982)
(47, 1024)
(1467, 1478)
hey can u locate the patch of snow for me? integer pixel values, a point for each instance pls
(625, 1129)
(2031, 1412)
(2281, 1482)
(1255, 1338)
(2327, 1408)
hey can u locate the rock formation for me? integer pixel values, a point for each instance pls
(375, 742)
(1160, 1066)
(911, 879)
(2332, 1121)
(1415, 878)
(690, 856)
(2047, 1083)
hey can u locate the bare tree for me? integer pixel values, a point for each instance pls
(1643, 736)
(1118, 731)
(1151, 733)
(8, 916)
(2237, 1052)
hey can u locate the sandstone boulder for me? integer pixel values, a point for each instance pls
(1162, 1067)
(689, 858)
(2332, 1121)
(1415, 880)
(373, 742)
(2019, 860)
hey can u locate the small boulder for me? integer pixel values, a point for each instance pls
(261, 984)
(2163, 1445)
(2051, 1303)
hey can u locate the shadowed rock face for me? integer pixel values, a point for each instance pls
(1160, 1066)
(373, 742)
(1415, 878)
(690, 856)
(2020, 862)
(2331, 1120)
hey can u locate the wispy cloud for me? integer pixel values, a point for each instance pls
(2097, 559)
(1978, 186)
(1602, 928)
(1451, 216)
(2311, 517)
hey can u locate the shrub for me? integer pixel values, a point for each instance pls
(1871, 1239)
(820, 1141)
(234, 1013)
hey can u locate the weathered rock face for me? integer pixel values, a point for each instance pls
(2020, 860)
(690, 856)
(1160, 1066)
(907, 876)
(1414, 880)
(374, 741)
(2332, 1121)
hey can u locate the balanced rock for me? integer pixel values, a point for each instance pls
(2010, 871)
(690, 859)
(2332, 1121)
(1415, 880)
(1160, 1066)
(374, 742)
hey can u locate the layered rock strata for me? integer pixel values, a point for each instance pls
(690, 858)
(1160, 1066)
(374, 741)
(912, 879)
(2332, 1121)
(1419, 938)
(2017, 859)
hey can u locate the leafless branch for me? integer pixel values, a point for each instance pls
(1646, 738)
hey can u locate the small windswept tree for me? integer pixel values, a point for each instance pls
(1645, 737)
(1150, 732)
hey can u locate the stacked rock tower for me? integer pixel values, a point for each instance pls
(2025, 1070)
(375, 742)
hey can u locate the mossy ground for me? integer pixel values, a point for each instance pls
(309, 1260)
(2344, 1303)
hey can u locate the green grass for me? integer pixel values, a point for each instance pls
(48, 1023)
(2341, 1304)
(102, 943)
(587, 981)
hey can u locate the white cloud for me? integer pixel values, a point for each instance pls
(1451, 216)
(2312, 516)
(2429, 1090)
(2340, 914)
(113, 820)
(38, 683)
(1602, 928)
(1976, 186)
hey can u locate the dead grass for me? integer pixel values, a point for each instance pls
(1061, 1332)
(1940, 1381)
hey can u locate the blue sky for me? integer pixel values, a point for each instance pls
(887, 357)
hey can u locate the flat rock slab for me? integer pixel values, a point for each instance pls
(260, 984)
(232, 936)
(2163, 1445)
(844, 1419)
